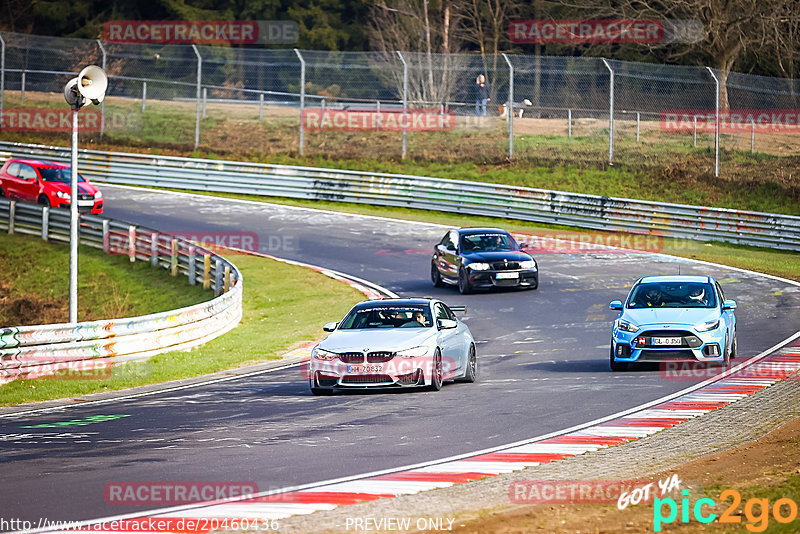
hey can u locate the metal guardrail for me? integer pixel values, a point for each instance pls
(32, 351)
(466, 197)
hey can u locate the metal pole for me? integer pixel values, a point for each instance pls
(22, 90)
(405, 102)
(569, 123)
(378, 108)
(752, 136)
(144, 96)
(510, 107)
(694, 132)
(302, 98)
(73, 224)
(205, 97)
(610, 113)
(197, 96)
(322, 116)
(260, 107)
(2, 77)
(637, 126)
(716, 125)
(103, 103)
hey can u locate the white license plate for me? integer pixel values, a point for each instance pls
(365, 369)
(85, 203)
(669, 341)
(506, 276)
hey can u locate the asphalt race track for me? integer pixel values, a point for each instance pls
(543, 366)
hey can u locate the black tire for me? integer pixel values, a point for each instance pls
(463, 282)
(43, 201)
(734, 346)
(2, 193)
(436, 277)
(726, 354)
(471, 373)
(613, 363)
(437, 372)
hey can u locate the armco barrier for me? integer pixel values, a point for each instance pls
(32, 351)
(474, 198)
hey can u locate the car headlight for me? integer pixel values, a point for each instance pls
(705, 327)
(528, 264)
(416, 352)
(98, 195)
(62, 194)
(322, 354)
(628, 327)
(479, 266)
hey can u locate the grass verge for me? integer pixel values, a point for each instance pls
(34, 284)
(277, 317)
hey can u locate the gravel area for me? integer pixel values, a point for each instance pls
(740, 422)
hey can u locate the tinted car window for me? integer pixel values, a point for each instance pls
(57, 174)
(387, 317)
(26, 172)
(13, 169)
(673, 295)
(447, 242)
(488, 242)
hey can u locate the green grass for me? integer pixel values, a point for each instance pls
(34, 284)
(284, 306)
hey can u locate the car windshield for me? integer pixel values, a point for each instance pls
(57, 174)
(673, 295)
(488, 242)
(388, 317)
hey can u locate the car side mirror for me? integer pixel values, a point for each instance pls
(330, 327)
(615, 305)
(445, 324)
(728, 304)
(523, 245)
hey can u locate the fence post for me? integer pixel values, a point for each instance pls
(132, 243)
(192, 267)
(218, 277)
(378, 110)
(569, 122)
(637, 126)
(206, 271)
(752, 136)
(197, 96)
(405, 103)
(694, 131)
(302, 98)
(510, 107)
(2, 77)
(22, 89)
(45, 222)
(610, 112)
(154, 249)
(173, 261)
(106, 238)
(226, 279)
(205, 97)
(716, 122)
(103, 103)
(260, 107)
(12, 209)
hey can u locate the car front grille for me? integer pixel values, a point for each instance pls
(378, 357)
(666, 355)
(687, 338)
(352, 357)
(366, 379)
(85, 197)
(503, 266)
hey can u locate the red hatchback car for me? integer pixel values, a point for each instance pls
(48, 183)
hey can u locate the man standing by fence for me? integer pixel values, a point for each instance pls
(481, 95)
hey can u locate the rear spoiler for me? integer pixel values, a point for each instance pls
(458, 308)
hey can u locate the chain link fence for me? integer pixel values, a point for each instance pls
(587, 111)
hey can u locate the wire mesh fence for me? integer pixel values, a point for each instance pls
(402, 104)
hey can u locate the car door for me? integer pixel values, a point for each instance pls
(445, 254)
(727, 315)
(10, 180)
(448, 341)
(28, 184)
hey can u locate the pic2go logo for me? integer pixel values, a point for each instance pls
(756, 511)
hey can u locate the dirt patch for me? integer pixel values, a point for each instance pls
(766, 463)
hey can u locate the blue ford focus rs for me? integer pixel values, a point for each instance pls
(673, 318)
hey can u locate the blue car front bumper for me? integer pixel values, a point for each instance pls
(659, 343)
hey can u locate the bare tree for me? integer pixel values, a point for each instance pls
(733, 29)
(423, 28)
